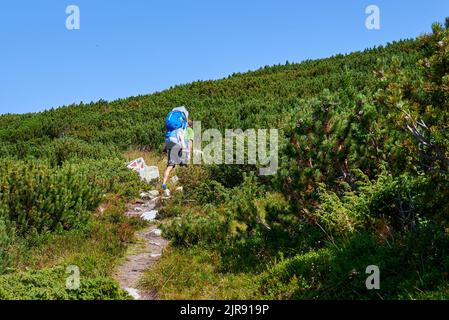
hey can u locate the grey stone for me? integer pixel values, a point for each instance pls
(153, 194)
(144, 195)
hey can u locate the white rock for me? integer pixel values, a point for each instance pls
(133, 293)
(157, 232)
(151, 174)
(138, 209)
(153, 194)
(174, 179)
(144, 195)
(155, 255)
(149, 216)
(146, 173)
(179, 189)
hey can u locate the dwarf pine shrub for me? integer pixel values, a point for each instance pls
(39, 199)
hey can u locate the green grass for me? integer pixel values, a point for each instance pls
(194, 274)
(50, 284)
(39, 271)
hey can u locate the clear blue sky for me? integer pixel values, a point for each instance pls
(133, 47)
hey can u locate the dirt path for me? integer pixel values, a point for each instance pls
(144, 253)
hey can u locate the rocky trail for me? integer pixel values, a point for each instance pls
(146, 251)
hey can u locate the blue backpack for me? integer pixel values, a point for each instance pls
(175, 120)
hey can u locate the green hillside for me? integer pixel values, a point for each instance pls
(363, 180)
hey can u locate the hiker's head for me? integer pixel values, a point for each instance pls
(190, 123)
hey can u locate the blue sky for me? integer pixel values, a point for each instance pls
(133, 47)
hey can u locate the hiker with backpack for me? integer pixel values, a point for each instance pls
(176, 125)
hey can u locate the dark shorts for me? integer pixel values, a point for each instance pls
(174, 152)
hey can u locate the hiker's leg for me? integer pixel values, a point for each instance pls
(167, 174)
(173, 160)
